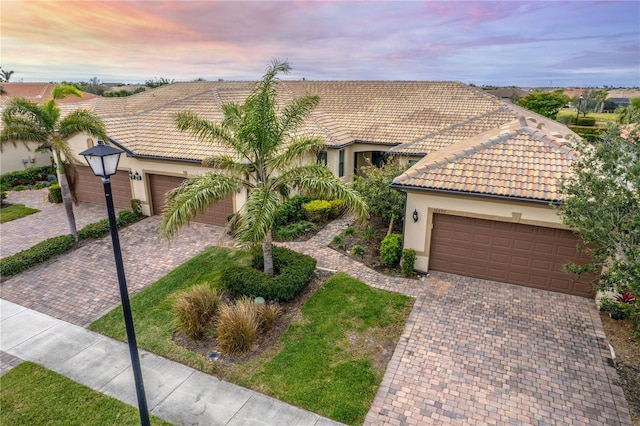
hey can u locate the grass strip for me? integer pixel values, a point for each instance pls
(15, 211)
(33, 395)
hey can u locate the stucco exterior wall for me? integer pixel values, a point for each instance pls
(144, 167)
(417, 235)
(333, 157)
(11, 157)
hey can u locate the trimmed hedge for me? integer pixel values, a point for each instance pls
(408, 261)
(317, 210)
(292, 269)
(42, 251)
(55, 193)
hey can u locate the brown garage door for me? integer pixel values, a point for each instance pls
(159, 185)
(89, 188)
(508, 252)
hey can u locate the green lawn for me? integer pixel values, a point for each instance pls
(15, 211)
(601, 118)
(327, 361)
(32, 395)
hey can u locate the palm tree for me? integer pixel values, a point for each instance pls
(267, 161)
(26, 121)
(5, 75)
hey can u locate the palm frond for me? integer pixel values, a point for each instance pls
(295, 113)
(23, 109)
(228, 164)
(61, 146)
(50, 114)
(82, 121)
(257, 217)
(210, 132)
(61, 91)
(194, 196)
(295, 151)
(21, 130)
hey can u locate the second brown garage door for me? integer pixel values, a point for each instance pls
(508, 252)
(89, 188)
(159, 185)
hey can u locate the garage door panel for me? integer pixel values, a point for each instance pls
(501, 251)
(89, 188)
(159, 185)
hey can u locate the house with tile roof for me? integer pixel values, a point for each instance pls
(485, 172)
(24, 155)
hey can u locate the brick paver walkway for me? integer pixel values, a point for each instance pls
(478, 352)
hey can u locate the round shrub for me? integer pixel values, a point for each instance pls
(41, 184)
(391, 249)
(337, 208)
(126, 217)
(317, 211)
(19, 188)
(292, 272)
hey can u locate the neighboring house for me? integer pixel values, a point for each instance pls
(510, 94)
(24, 155)
(484, 173)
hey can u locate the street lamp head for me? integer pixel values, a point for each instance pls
(102, 159)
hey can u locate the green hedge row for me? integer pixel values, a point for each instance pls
(292, 271)
(21, 261)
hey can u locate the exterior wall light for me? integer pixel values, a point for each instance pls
(415, 215)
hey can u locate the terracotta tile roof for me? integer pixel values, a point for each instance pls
(517, 161)
(38, 93)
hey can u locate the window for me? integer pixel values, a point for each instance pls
(341, 163)
(321, 157)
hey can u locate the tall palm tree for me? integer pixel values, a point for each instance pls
(267, 161)
(26, 121)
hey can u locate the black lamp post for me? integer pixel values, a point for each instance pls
(103, 160)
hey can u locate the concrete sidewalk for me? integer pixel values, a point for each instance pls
(176, 393)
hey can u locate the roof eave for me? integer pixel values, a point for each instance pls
(404, 188)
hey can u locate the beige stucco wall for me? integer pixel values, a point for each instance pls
(11, 157)
(417, 235)
(144, 167)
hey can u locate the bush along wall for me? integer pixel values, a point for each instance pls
(21, 261)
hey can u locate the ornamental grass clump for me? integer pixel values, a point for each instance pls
(195, 307)
(238, 326)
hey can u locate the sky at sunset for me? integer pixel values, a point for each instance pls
(522, 43)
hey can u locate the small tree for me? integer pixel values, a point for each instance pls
(603, 205)
(373, 184)
(544, 103)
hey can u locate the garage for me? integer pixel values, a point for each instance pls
(159, 185)
(514, 253)
(89, 188)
